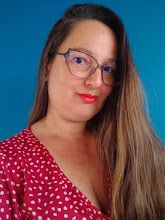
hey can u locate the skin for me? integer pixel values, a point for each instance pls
(62, 86)
(63, 127)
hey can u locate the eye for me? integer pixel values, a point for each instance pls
(79, 60)
(108, 69)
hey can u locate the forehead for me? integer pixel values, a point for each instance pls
(93, 36)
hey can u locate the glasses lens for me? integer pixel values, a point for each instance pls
(80, 64)
(108, 74)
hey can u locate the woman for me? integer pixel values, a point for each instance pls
(89, 152)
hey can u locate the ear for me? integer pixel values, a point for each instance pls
(46, 77)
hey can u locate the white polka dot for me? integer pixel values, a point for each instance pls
(30, 208)
(71, 206)
(59, 209)
(32, 202)
(45, 204)
(34, 213)
(65, 208)
(53, 208)
(51, 195)
(65, 216)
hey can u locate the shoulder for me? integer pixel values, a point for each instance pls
(14, 144)
(10, 159)
(13, 153)
(21, 155)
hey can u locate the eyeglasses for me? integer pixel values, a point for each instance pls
(82, 65)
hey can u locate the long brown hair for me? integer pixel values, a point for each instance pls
(130, 150)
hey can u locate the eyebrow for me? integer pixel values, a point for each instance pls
(90, 53)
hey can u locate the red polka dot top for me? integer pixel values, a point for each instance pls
(32, 186)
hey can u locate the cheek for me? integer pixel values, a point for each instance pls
(106, 92)
(104, 95)
(60, 89)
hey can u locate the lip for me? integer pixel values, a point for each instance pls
(88, 98)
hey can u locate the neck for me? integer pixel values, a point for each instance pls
(67, 130)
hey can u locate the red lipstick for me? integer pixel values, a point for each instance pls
(88, 98)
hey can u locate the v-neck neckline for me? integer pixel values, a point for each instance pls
(63, 174)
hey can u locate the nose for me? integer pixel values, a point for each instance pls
(95, 80)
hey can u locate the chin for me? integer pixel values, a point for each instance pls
(85, 117)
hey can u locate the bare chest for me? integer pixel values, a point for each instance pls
(80, 164)
(85, 174)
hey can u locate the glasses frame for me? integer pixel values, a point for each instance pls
(66, 55)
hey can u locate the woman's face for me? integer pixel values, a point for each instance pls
(69, 96)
